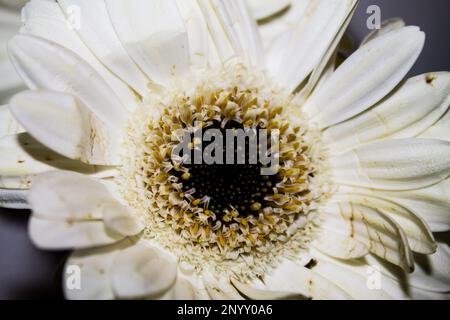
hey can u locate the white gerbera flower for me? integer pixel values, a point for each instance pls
(364, 158)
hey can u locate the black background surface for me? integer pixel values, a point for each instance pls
(28, 273)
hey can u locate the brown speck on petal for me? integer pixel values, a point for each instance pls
(430, 79)
(311, 264)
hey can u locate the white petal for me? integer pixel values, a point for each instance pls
(327, 72)
(46, 65)
(274, 56)
(68, 212)
(366, 76)
(189, 284)
(287, 19)
(64, 235)
(153, 34)
(402, 164)
(319, 72)
(63, 195)
(386, 27)
(432, 203)
(13, 199)
(95, 273)
(8, 125)
(183, 290)
(64, 124)
(309, 41)
(293, 278)
(46, 20)
(264, 294)
(23, 157)
(232, 31)
(408, 111)
(197, 32)
(143, 271)
(439, 130)
(339, 245)
(420, 237)
(98, 34)
(376, 282)
(368, 226)
(432, 272)
(219, 288)
(353, 283)
(261, 9)
(118, 218)
(42, 9)
(246, 29)
(225, 42)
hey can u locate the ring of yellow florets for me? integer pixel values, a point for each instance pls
(235, 229)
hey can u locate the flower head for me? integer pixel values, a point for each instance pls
(342, 169)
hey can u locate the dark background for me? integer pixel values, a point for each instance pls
(27, 273)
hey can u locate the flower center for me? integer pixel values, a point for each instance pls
(233, 189)
(227, 168)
